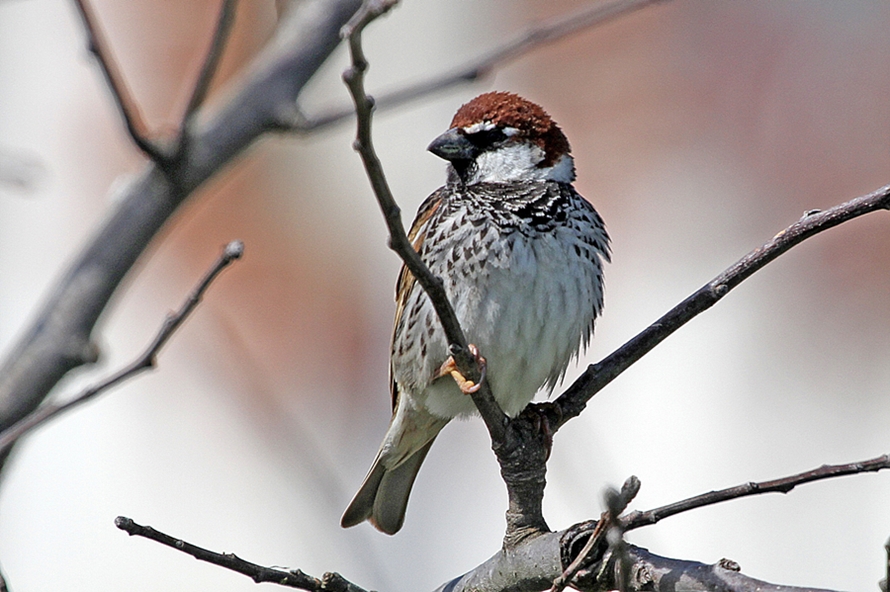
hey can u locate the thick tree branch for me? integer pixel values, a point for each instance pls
(534, 564)
(59, 339)
(330, 582)
(597, 376)
(146, 361)
(654, 573)
(546, 32)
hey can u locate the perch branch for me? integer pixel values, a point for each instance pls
(147, 360)
(330, 582)
(127, 107)
(575, 398)
(364, 105)
(546, 32)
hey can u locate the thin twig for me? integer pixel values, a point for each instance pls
(637, 519)
(234, 250)
(364, 105)
(211, 62)
(597, 376)
(615, 506)
(546, 32)
(128, 108)
(330, 582)
(615, 535)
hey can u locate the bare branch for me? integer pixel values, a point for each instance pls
(597, 376)
(330, 582)
(128, 108)
(654, 573)
(211, 62)
(637, 519)
(547, 32)
(364, 105)
(234, 250)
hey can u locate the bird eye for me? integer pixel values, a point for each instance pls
(487, 138)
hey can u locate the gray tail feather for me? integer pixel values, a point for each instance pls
(383, 496)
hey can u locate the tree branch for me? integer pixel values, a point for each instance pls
(211, 62)
(654, 573)
(59, 339)
(546, 32)
(330, 582)
(575, 398)
(637, 519)
(234, 250)
(127, 107)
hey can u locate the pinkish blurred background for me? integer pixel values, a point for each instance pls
(700, 129)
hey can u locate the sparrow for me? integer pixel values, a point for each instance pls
(520, 254)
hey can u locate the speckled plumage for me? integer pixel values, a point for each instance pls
(520, 254)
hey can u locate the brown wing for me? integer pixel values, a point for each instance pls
(406, 280)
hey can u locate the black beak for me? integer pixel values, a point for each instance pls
(453, 145)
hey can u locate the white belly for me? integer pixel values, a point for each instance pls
(528, 311)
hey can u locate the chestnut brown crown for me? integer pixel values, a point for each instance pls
(508, 110)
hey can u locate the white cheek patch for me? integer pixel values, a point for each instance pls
(519, 162)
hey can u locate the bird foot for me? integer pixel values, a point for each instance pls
(467, 387)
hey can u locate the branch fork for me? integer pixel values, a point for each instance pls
(168, 153)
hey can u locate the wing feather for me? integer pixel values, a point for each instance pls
(406, 281)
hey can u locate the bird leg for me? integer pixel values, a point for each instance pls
(467, 387)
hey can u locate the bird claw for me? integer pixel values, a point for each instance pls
(467, 387)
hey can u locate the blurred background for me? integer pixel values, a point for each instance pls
(700, 129)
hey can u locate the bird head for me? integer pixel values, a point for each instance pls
(499, 137)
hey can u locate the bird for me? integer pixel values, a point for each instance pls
(520, 254)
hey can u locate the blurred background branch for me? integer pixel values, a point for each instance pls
(146, 361)
(60, 338)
